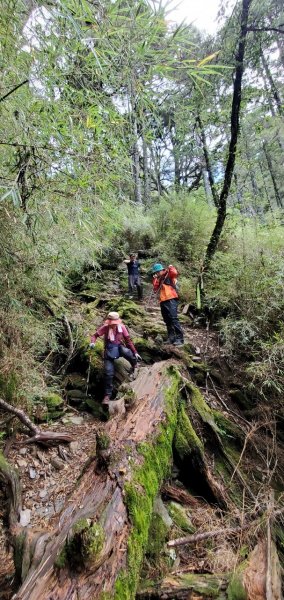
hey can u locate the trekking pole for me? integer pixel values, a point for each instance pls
(154, 292)
(149, 298)
(88, 376)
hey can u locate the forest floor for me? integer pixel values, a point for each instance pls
(48, 475)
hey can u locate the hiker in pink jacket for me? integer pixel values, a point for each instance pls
(117, 343)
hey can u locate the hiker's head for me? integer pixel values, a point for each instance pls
(113, 319)
(132, 257)
(157, 270)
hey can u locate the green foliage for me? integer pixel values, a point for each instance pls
(182, 226)
(236, 590)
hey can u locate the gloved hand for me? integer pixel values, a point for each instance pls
(137, 356)
(92, 345)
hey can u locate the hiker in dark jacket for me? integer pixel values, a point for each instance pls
(117, 343)
(134, 279)
(164, 285)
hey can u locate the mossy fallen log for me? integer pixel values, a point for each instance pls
(186, 586)
(99, 541)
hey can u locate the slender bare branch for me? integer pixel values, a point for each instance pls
(13, 90)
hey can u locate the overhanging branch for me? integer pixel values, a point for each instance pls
(14, 90)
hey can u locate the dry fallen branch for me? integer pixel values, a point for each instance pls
(46, 437)
(198, 537)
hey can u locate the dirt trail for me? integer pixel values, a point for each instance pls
(49, 475)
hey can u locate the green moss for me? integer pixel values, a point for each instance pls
(103, 440)
(226, 427)
(96, 408)
(128, 310)
(207, 586)
(53, 401)
(201, 406)
(179, 517)
(146, 348)
(94, 541)
(186, 440)
(158, 532)
(61, 560)
(96, 355)
(18, 548)
(236, 590)
(127, 392)
(84, 543)
(141, 492)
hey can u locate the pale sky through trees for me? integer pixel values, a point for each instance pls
(201, 13)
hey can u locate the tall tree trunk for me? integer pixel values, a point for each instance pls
(135, 148)
(274, 90)
(235, 122)
(265, 187)
(156, 175)
(177, 169)
(273, 176)
(207, 162)
(147, 198)
(238, 192)
(206, 186)
(135, 163)
(254, 186)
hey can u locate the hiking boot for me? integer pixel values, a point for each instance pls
(106, 400)
(170, 341)
(134, 373)
(179, 342)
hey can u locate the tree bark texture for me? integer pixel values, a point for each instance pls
(208, 163)
(146, 194)
(122, 481)
(273, 176)
(273, 87)
(235, 123)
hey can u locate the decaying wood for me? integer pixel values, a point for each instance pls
(10, 481)
(184, 587)
(100, 497)
(45, 437)
(273, 569)
(179, 495)
(262, 559)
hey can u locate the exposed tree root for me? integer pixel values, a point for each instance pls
(44, 437)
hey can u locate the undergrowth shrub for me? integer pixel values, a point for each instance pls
(182, 225)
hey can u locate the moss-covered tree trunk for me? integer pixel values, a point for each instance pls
(98, 543)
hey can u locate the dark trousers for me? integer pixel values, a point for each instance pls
(170, 317)
(135, 281)
(109, 367)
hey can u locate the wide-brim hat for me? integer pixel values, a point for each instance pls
(113, 318)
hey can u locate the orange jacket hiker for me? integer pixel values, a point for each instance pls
(165, 283)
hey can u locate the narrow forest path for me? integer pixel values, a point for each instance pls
(216, 480)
